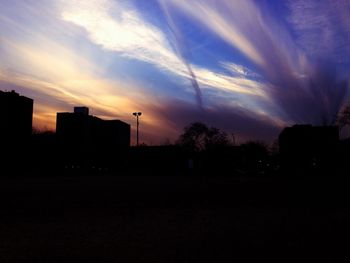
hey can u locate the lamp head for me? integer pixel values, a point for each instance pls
(137, 113)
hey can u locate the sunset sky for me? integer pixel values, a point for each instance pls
(247, 67)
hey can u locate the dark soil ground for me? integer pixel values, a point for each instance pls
(173, 219)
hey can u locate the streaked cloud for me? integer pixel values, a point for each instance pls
(239, 70)
(132, 37)
(322, 27)
(224, 82)
(110, 56)
(243, 26)
(125, 32)
(216, 22)
(293, 83)
(58, 76)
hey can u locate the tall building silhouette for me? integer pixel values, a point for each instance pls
(80, 130)
(16, 117)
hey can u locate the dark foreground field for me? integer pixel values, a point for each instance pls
(172, 219)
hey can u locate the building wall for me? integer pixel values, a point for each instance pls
(87, 132)
(117, 132)
(16, 116)
(73, 129)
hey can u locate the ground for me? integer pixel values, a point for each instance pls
(170, 219)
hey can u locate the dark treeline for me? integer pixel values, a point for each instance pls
(44, 153)
(200, 150)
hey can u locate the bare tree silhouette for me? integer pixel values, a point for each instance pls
(198, 137)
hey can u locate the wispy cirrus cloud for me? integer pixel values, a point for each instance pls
(239, 70)
(124, 32)
(129, 35)
(293, 83)
(59, 68)
(322, 27)
(244, 26)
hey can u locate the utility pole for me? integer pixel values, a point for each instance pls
(137, 114)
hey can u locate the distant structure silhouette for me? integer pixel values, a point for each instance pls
(137, 115)
(83, 131)
(16, 117)
(305, 148)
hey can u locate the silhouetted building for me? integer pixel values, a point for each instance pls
(16, 116)
(83, 131)
(306, 147)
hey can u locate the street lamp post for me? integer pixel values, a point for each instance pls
(137, 114)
